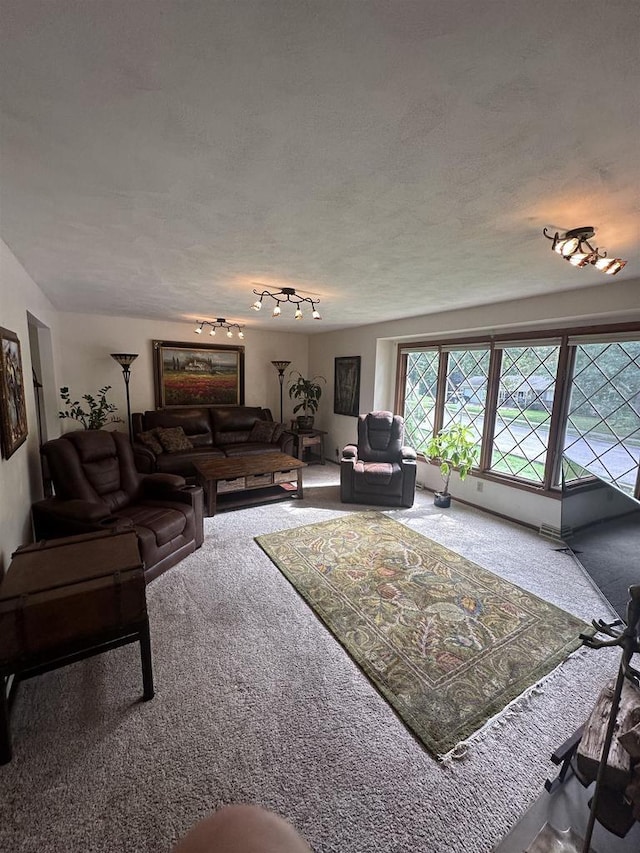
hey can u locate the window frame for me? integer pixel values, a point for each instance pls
(551, 485)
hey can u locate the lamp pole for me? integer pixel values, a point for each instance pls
(125, 359)
(281, 366)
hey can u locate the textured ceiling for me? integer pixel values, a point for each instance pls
(160, 159)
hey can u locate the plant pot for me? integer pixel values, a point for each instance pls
(442, 500)
(305, 423)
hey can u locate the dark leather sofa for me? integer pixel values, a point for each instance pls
(97, 487)
(211, 431)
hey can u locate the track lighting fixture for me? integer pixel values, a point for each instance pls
(574, 247)
(220, 323)
(287, 294)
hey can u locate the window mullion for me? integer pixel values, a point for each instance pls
(401, 383)
(441, 393)
(566, 363)
(495, 365)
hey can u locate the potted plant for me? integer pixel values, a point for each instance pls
(308, 391)
(100, 410)
(456, 448)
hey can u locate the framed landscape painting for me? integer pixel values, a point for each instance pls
(346, 386)
(198, 375)
(13, 413)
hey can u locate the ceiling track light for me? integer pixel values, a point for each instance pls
(220, 323)
(287, 294)
(574, 246)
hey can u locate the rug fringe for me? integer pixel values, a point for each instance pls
(521, 703)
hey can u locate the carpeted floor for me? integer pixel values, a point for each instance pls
(257, 702)
(448, 643)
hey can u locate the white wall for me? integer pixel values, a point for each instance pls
(86, 342)
(20, 481)
(612, 302)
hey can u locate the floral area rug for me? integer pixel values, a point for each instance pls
(448, 643)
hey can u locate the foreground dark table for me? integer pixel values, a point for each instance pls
(63, 600)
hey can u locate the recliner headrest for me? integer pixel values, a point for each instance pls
(379, 420)
(91, 444)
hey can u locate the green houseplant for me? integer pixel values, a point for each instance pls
(308, 391)
(100, 410)
(456, 448)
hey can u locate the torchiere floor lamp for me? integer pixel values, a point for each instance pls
(124, 359)
(281, 366)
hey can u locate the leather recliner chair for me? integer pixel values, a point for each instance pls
(97, 487)
(380, 469)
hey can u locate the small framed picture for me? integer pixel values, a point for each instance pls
(13, 412)
(198, 375)
(346, 386)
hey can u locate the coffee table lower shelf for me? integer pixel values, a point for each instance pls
(254, 497)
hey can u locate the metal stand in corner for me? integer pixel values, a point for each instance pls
(629, 641)
(627, 636)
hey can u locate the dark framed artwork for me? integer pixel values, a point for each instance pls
(198, 374)
(346, 386)
(13, 412)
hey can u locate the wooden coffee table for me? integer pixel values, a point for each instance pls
(248, 480)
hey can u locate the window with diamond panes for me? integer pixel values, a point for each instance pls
(572, 472)
(525, 400)
(420, 397)
(602, 432)
(466, 394)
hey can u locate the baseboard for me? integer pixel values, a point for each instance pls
(548, 531)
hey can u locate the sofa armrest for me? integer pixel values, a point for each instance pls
(161, 485)
(144, 458)
(350, 451)
(408, 454)
(347, 467)
(409, 475)
(188, 495)
(194, 496)
(286, 442)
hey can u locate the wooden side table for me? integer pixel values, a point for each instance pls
(311, 441)
(67, 599)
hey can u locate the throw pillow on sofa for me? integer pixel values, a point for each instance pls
(262, 431)
(149, 440)
(173, 439)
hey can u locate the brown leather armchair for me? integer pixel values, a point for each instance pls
(97, 487)
(380, 469)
